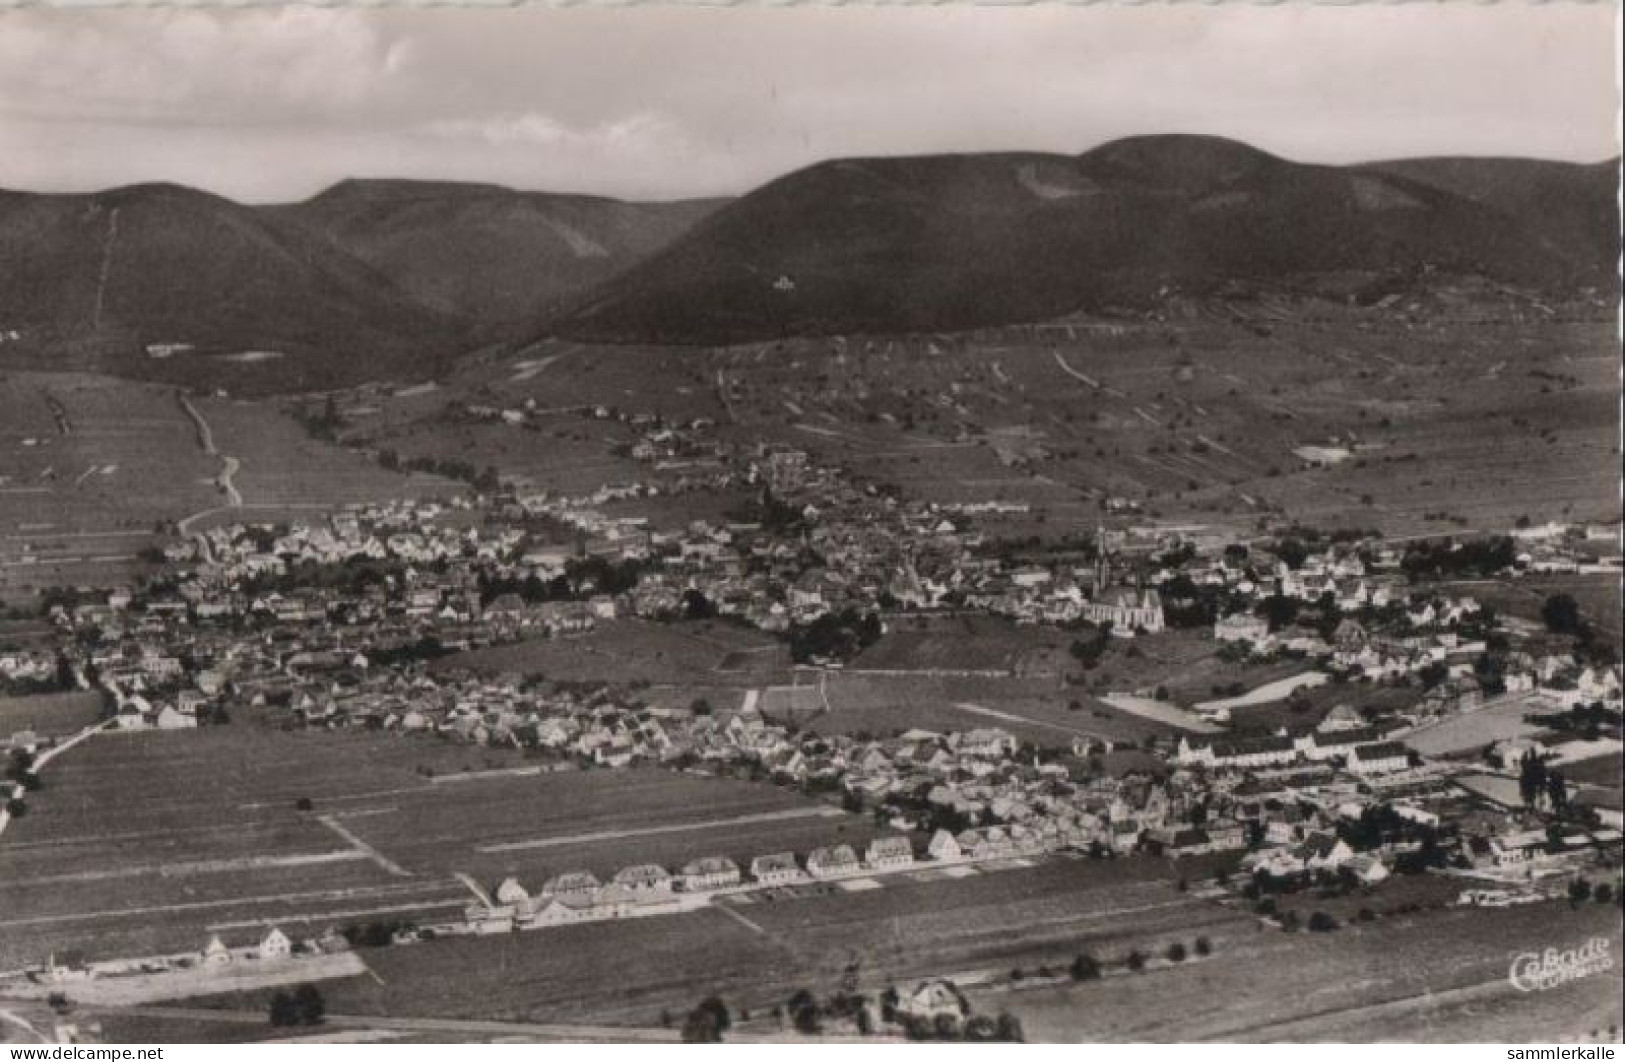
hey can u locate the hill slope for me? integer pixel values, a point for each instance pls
(945, 242)
(487, 253)
(91, 280)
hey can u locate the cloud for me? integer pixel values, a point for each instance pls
(533, 129)
(192, 67)
(673, 100)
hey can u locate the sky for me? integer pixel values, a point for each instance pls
(274, 104)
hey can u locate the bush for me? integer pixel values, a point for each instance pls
(1321, 922)
(1085, 968)
(1204, 947)
(1135, 961)
(1176, 952)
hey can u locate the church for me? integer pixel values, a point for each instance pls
(1127, 609)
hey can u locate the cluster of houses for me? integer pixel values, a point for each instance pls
(648, 888)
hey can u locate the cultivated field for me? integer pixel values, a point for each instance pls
(1439, 976)
(143, 843)
(755, 954)
(50, 714)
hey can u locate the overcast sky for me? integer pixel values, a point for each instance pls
(271, 104)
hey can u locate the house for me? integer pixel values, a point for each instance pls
(1267, 751)
(1242, 627)
(215, 953)
(933, 999)
(833, 862)
(1368, 869)
(579, 883)
(1324, 851)
(1383, 757)
(275, 945)
(1187, 842)
(645, 879)
(710, 872)
(67, 966)
(779, 868)
(1341, 717)
(889, 853)
(944, 847)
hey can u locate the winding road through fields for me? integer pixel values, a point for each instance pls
(229, 465)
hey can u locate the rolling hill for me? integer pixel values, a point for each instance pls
(101, 281)
(486, 253)
(939, 243)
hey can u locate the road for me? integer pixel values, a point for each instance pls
(229, 465)
(462, 1028)
(12, 1018)
(52, 753)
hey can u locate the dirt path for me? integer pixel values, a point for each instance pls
(1011, 717)
(229, 465)
(569, 1033)
(106, 269)
(52, 753)
(362, 848)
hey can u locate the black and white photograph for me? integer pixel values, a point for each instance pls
(790, 523)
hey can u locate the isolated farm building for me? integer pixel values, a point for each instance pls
(889, 853)
(944, 846)
(933, 999)
(780, 868)
(68, 965)
(275, 945)
(645, 878)
(834, 862)
(711, 872)
(215, 952)
(575, 883)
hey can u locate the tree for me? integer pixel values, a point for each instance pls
(1135, 961)
(309, 1005)
(1009, 1029)
(1204, 947)
(804, 1012)
(1085, 968)
(1321, 922)
(283, 1010)
(700, 1027)
(1579, 891)
(696, 606)
(1562, 614)
(1176, 952)
(1557, 792)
